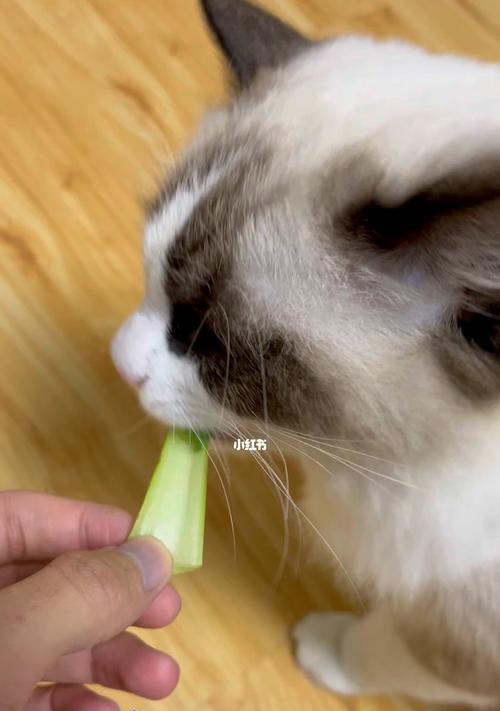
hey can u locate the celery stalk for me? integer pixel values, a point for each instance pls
(174, 506)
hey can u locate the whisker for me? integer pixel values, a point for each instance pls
(348, 465)
(223, 487)
(263, 379)
(286, 509)
(274, 478)
(142, 422)
(332, 551)
(347, 449)
(321, 438)
(223, 463)
(352, 464)
(285, 467)
(197, 333)
(287, 485)
(287, 477)
(387, 477)
(228, 360)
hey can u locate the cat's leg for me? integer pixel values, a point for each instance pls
(366, 655)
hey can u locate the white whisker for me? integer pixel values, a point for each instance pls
(336, 557)
(287, 485)
(223, 487)
(228, 361)
(275, 479)
(223, 463)
(135, 427)
(349, 463)
(344, 463)
(263, 379)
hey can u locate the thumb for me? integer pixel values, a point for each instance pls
(76, 601)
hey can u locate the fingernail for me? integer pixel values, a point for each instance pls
(152, 559)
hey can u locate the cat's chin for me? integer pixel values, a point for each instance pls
(170, 415)
(174, 415)
(206, 427)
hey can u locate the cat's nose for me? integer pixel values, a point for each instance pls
(124, 355)
(136, 380)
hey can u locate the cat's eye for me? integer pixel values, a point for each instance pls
(481, 329)
(190, 330)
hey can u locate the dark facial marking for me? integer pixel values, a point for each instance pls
(294, 395)
(196, 277)
(212, 318)
(199, 262)
(474, 373)
(482, 328)
(450, 235)
(192, 329)
(418, 223)
(208, 313)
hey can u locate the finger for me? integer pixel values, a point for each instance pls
(162, 611)
(68, 698)
(11, 573)
(79, 600)
(39, 526)
(124, 662)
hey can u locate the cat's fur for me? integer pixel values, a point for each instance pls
(326, 258)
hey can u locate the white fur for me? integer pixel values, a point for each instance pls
(162, 230)
(418, 115)
(438, 525)
(164, 227)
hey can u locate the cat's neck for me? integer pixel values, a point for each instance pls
(406, 525)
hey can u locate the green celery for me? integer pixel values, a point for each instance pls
(174, 506)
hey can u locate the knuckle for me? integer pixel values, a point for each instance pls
(12, 533)
(95, 582)
(84, 521)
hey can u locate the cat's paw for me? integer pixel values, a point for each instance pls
(317, 649)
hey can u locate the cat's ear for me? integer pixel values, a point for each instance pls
(251, 38)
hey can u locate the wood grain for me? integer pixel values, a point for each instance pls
(96, 97)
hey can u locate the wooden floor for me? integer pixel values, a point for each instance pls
(95, 97)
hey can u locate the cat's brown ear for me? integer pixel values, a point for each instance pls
(251, 38)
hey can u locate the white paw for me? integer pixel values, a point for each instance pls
(317, 649)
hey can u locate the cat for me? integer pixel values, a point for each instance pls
(323, 264)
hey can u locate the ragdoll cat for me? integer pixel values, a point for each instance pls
(325, 260)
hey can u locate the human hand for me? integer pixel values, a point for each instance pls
(64, 605)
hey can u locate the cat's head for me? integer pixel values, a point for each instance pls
(326, 255)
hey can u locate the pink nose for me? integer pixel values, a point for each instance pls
(136, 380)
(130, 372)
